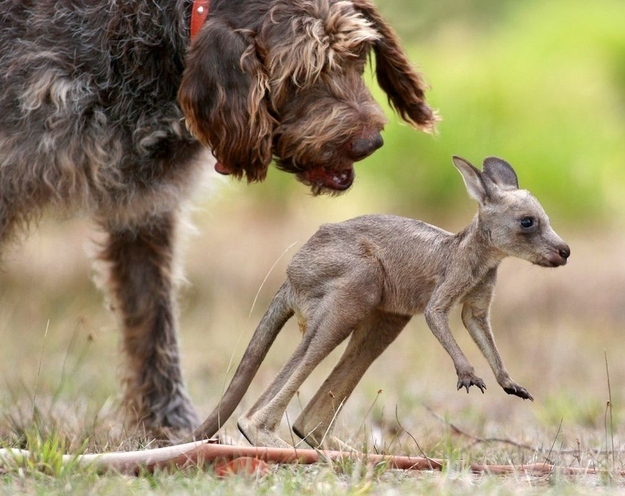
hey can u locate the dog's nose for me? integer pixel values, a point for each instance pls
(363, 147)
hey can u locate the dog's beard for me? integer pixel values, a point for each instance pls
(319, 178)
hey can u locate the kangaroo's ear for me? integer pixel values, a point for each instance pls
(403, 85)
(222, 96)
(501, 173)
(473, 179)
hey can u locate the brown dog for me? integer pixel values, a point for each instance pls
(96, 104)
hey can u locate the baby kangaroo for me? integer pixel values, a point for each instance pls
(367, 277)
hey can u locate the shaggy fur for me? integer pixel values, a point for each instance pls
(107, 108)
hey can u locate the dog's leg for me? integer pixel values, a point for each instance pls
(142, 284)
(367, 343)
(475, 316)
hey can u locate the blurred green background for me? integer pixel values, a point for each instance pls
(540, 83)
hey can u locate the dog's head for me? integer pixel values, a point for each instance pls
(288, 85)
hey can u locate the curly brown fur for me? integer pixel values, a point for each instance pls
(105, 108)
(297, 93)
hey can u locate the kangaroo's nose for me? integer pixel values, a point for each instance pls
(362, 147)
(564, 251)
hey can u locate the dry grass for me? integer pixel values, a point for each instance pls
(555, 328)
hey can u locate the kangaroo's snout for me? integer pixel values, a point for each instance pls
(560, 254)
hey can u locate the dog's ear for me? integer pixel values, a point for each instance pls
(222, 95)
(396, 75)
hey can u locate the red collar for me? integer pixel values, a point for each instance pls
(199, 13)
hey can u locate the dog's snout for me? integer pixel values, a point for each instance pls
(362, 147)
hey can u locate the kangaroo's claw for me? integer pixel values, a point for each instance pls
(468, 380)
(519, 391)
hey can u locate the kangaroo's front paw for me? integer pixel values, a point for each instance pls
(519, 391)
(468, 379)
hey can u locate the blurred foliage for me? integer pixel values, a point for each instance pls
(540, 83)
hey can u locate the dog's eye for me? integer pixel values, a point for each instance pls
(527, 222)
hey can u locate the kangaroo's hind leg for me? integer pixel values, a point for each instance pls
(336, 316)
(367, 343)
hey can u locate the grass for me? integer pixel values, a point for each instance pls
(556, 329)
(45, 475)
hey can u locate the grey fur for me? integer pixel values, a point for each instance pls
(367, 277)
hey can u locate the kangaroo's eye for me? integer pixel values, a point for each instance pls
(527, 222)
